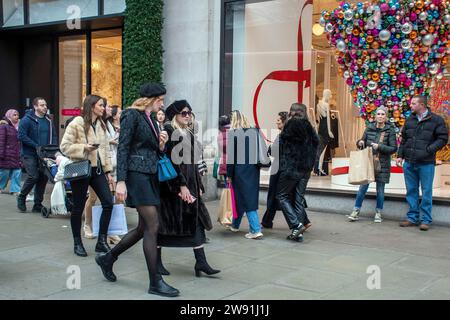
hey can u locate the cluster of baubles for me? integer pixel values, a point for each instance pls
(389, 50)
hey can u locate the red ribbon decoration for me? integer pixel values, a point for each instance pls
(300, 76)
(344, 170)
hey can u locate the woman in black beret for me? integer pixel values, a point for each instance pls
(183, 216)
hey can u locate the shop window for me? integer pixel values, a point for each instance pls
(59, 10)
(114, 6)
(12, 13)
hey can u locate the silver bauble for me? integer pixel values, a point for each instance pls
(386, 63)
(427, 40)
(348, 14)
(384, 35)
(406, 44)
(434, 68)
(372, 85)
(322, 21)
(341, 46)
(423, 16)
(329, 27)
(346, 74)
(447, 19)
(407, 28)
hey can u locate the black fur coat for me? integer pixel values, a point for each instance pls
(298, 148)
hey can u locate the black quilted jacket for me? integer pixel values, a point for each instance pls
(138, 148)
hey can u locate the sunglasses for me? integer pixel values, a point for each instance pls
(185, 114)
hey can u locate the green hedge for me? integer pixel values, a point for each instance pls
(142, 47)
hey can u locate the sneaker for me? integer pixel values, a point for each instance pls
(377, 218)
(88, 234)
(298, 239)
(30, 198)
(354, 216)
(251, 235)
(424, 227)
(297, 233)
(231, 228)
(114, 239)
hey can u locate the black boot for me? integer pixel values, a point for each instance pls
(161, 269)
(102, 244)
(106, 261)
(21, 203)
(159, 287)
(201, 264)
(78, 247)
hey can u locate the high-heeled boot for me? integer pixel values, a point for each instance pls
(78, 247)
(106, 261)
(161, 269)
(201, 264)
(160, 287)
(102, 244)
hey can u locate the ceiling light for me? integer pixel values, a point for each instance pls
(317, 29)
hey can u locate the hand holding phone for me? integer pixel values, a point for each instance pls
(95, 145)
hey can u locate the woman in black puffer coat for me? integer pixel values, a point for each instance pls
(381, 136)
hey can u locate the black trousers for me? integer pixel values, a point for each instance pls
(35, 176)
(291, 195)
(272, 202)
(100, 184)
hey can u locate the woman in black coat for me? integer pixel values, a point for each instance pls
(140, 145)
(381, 137)
(183, 215)
(243, 170)
(298, 148)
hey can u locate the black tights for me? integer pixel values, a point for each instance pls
(148, 229)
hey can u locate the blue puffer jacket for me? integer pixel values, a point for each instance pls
(29, 134)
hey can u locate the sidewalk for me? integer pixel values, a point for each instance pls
(330, 264)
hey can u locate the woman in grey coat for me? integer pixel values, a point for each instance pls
(381, 137)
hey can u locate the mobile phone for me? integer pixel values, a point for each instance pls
(96, 145)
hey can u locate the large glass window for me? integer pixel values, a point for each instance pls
(114, 6)
(106, 66)
(58, 10)
(12, 13)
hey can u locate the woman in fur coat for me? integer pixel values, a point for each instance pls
(183, 215)
(298, 148)
(85, 139)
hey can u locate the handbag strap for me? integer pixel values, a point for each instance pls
(381, 137)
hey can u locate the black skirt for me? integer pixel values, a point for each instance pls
(142, 189)
(195, 240)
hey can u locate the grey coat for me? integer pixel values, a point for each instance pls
(385, 148)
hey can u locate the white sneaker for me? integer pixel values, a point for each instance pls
(113, 239)
(88, 234)
(377, 218)
(30, 197)
(251, 235)
(354, 216)
(233, 229)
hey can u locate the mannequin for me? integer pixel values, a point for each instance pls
(325, 134)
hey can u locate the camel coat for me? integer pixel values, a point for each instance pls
(74, 140)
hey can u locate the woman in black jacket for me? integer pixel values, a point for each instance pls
(184, 217)
(140, 144)
(381, 137)
(298, 148)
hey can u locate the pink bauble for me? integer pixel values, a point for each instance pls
(413, 16)
(384, 7)
(401, 77)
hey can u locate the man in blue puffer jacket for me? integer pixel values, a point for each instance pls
(35, 129)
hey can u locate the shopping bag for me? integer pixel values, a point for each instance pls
(117, 225)
(58, 199)
(233, 200)
(361, 170)
(216, 168)
(225, 208)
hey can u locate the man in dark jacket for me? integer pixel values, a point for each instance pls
(35, 129)
(423, 135)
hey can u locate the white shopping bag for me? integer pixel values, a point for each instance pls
(117, 225)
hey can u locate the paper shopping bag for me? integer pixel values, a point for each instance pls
(361, 170)
(225, 208)
(117, 225)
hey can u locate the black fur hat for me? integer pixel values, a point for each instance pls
(175, 108)
(150, 90)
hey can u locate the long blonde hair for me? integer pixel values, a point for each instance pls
(238, 120)
(177, 126)
(142, 103)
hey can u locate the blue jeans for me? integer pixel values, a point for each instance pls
(362, 193)
(414, 174)
(253, 221)
(14, 175)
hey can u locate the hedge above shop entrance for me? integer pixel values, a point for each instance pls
(142, 47)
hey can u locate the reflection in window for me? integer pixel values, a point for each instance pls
(59, 10)
(114, 6)
(12, 13)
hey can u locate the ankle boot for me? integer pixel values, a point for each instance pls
(160, 287)
(161, 269)
(102, 244)
(78, 247)
(201, 264)
(106, 261)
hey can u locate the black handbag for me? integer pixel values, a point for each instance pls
(77, 170)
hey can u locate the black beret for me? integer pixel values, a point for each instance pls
(150, 90)
(175, 108)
